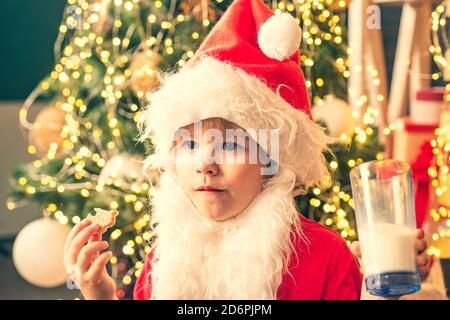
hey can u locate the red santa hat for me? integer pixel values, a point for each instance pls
(264, 45)
(246, 71)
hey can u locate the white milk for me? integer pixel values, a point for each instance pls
(387, 248)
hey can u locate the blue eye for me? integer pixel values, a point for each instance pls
(189, 144)
(231, 146)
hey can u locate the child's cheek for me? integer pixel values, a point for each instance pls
(186, 158)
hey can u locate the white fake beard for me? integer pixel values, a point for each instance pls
(240, 258)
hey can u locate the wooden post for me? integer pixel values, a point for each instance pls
(375, 58)
(421, 63)
(356, 32)
(400, 85)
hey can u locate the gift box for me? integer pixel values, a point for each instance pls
(409, 136)
(427, 106)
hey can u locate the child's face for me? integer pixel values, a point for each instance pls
(219, 188)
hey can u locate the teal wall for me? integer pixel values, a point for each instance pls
(28, 29)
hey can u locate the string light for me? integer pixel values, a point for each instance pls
(439, 170)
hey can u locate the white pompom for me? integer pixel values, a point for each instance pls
(280, 36)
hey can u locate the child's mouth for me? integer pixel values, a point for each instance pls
(211, 190)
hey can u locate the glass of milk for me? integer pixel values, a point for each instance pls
(385, 216)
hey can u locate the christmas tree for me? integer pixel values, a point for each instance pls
(109, 57)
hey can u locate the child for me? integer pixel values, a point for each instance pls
(234, 139)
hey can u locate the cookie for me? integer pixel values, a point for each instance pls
(104, 218)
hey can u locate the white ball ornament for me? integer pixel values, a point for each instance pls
(280, 36)
(337, 115)
(125, 167)
(38, 253)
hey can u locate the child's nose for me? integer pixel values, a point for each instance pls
(207, 168)
(207, 161)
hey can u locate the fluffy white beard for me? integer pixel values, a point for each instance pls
(240, 258)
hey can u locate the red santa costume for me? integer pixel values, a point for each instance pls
(247, 72)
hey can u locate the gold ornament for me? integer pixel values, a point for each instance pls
(46, 131)
(144, 72)
(337, 5)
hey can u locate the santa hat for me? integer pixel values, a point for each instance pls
(247, 72)
(264, 45)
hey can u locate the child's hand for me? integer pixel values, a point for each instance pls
(421, 259)
(84, 263)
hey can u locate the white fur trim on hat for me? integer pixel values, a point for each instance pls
(280, 36)
(211, 89)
